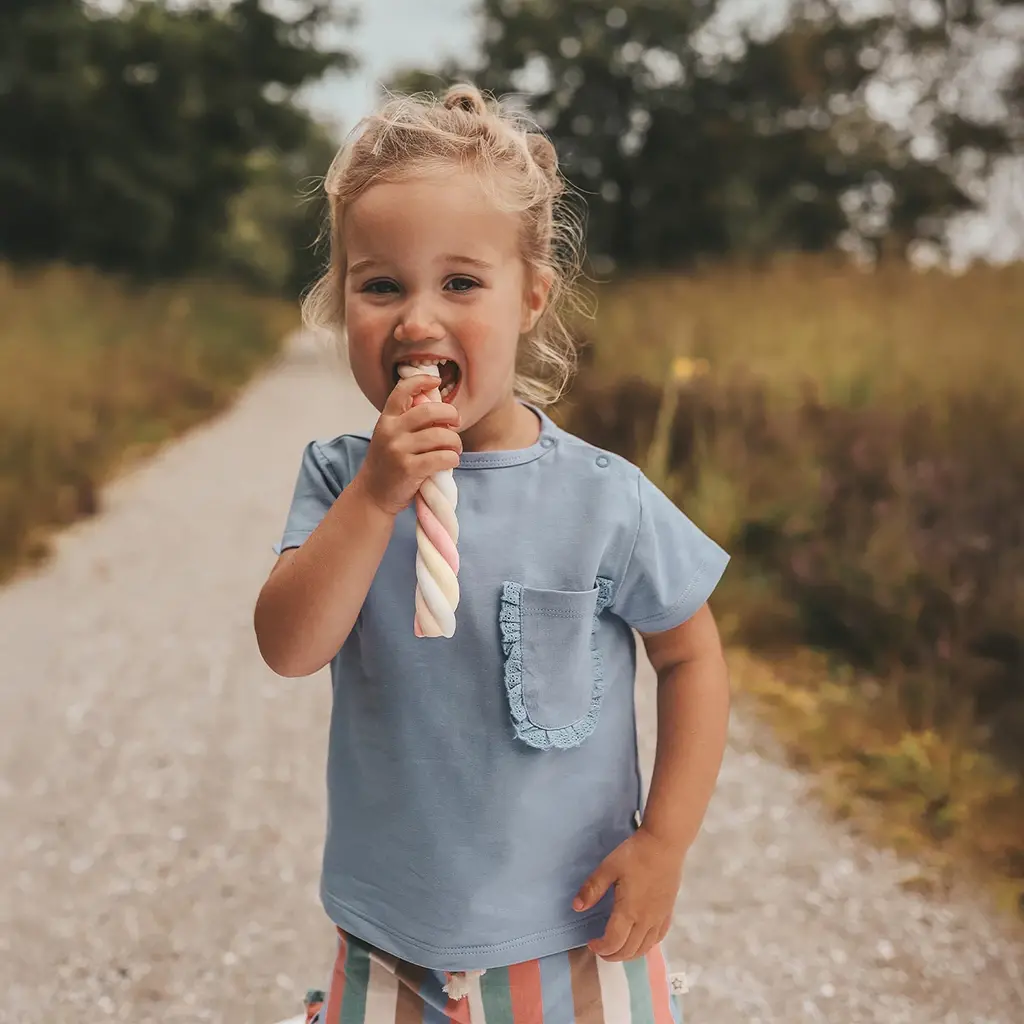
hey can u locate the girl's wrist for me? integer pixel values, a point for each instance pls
(364, 494)
(668, 839)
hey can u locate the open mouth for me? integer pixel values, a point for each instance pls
(447, 370)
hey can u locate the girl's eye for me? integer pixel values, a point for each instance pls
(381, 286)
(461, 284)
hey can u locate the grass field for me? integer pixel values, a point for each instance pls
(896, 335)
(856, 441)
(93, 372)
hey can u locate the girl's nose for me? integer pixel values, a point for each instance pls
(417, 325)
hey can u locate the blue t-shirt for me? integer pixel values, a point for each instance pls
(475, 783)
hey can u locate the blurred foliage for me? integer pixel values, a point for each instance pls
(157, 139)
(864, 339)
(92, 369)
(932, 796)
(872, 498)
(273, 239)
(855, 441)
(693, 136)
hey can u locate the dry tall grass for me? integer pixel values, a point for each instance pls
(894, 334)
(857, 442)
(91, 369)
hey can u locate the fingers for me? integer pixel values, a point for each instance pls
(432, 439)
(410, 443)
(417, 466)
(594, 888)
(643, 945)
(420, 429)
(430, 414)
(434, 462)
(638, 942)
(407, 389)
(615, 937)
(631, 947)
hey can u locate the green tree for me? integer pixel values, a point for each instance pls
(692, 138)
(274, 236)
(963, 63)
(126, 137)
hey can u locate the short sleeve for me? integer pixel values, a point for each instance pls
(318, 485)
(673, 567)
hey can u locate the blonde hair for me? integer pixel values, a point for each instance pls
(518, 165)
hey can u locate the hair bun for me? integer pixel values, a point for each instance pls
(465, 97)
(543, 153)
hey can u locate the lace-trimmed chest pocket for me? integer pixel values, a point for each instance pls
(554, 674)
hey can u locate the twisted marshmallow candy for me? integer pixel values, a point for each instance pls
(437, 585)
(437, 533)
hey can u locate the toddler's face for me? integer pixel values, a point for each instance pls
(434, 273)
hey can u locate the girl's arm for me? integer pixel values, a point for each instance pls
(314, 593)
(693, 714)
(693, 717)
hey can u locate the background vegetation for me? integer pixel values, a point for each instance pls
(130, 138)
(865, 468)
(698, 132)
(93, 372)
(759, 189)
(856, 439)
(155, 219)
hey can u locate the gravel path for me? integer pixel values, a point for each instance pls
(161, 794)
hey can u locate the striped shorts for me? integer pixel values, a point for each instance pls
(577, 987)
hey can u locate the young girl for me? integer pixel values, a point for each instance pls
(486, 861)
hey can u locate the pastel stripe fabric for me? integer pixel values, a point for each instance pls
(372, 987)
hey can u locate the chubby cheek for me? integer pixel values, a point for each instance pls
(367, 331)
(490, 347)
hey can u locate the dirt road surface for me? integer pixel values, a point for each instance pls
(161, 791)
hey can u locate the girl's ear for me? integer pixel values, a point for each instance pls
(538, 289)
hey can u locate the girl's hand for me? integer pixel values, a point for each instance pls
(409, 444)
(646, 872)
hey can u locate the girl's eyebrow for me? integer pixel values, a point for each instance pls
(468, 260)
(362, 264)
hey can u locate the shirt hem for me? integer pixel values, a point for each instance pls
(466, 958)
(703, 585)
(290, 540)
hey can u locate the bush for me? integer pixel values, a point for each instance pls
(889, 534)
(91, 369)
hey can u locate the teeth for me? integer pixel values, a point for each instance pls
(409, 369)
(431, 366)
